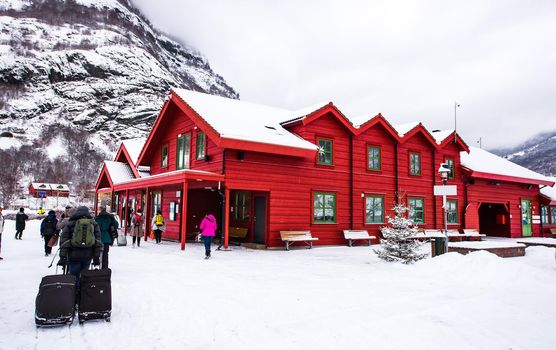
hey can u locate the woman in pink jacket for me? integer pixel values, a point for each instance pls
(208, 229)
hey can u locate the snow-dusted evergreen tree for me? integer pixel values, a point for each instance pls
(395, 246)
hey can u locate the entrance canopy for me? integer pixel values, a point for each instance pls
(178, 176)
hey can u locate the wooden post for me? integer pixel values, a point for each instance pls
(183, 214)
(226, 216)
(126, 213)
(148, 227)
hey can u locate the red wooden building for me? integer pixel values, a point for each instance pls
(41, 190)
(265, 170)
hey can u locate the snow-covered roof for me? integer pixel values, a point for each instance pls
(241, 120)
(59, 187)
(441, 135)
(49, 186)
(479, 160)
(119, 172)
(403, 129)
(134, 147)
(548, 191)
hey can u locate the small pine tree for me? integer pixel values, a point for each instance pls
(395, 246)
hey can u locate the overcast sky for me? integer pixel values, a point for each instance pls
(409, 60)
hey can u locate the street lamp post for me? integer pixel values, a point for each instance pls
(444, 170)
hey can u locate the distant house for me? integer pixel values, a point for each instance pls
(261, 170)
(42, 190)
(548, 208)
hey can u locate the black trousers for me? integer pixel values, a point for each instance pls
(138, 239)
(47, 249)
(18, 234)
(104, 262)
(158, 235)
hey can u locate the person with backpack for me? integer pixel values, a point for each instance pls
(20, 219)
(1, 229)
(48, 230)
(80, 242)
(108, 232)
(158, 225)
(137, 222)
(208, 230)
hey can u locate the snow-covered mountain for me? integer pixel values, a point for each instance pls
(94, 64)
(536, 154)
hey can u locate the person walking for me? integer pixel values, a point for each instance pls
(48, 230)
(80, 242)
(108, 232)
(137, 230)
(20, 219)
(1, 229)
(40, 212)
(64, 219)
(208, 230)
(158, 225)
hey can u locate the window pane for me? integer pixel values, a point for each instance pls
(324, 207)
(325, 151)
(200, 145)
(186, 152)
(450, 163)
(416, 210)
(374, 158)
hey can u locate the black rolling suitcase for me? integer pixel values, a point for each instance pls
(95, 301)
(55, 303)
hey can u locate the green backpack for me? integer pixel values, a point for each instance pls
(83, 234)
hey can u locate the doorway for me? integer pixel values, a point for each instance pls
(259, 219)
(494, 220)
(526, 229)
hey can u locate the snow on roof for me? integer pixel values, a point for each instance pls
(48, 186)
(403, 129)
(134, 147)
(241, 120)
(485, 162)
(119, 172)
(441, 135)
(549, 192)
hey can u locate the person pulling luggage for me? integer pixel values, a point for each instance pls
(48, 230)
(80, 242)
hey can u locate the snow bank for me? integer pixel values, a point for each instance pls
(324, 298)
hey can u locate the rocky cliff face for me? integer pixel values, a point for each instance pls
(537, 154)
(98, 65)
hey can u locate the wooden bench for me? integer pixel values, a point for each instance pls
(297, 236)
(237, 232)
(471, 232)
(553, 231)
(351, 235)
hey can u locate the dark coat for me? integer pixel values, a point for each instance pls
(104, 221)
(20, 219)
(75, 253)
(48, 225)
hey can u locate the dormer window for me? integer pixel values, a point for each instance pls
(183, 151)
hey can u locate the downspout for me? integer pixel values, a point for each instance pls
(433, 183)
(396, 192)
(465, 201)
(351, 182)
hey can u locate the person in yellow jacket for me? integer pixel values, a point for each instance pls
(158, 225)
(40, 212)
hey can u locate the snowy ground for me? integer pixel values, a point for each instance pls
(325, 298)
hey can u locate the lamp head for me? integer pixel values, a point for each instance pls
(444, 170)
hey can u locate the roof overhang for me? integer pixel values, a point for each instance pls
(547, 200)
(507, 178)
(123, 151)
(458, 140)
(378, 120)
(419, 129)
(104, 172)
(324, 110)
(173, 177)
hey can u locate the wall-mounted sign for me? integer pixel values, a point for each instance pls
(172, 213)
